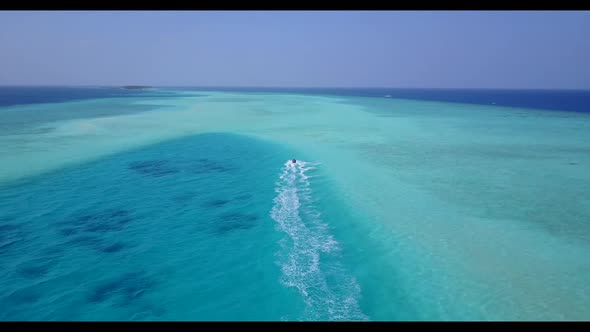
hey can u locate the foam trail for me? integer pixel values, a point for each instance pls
(306, 240)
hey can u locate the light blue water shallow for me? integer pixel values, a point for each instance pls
(186, 208)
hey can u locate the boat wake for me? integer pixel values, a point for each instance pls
(329, 293)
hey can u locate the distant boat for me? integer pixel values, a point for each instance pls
(387, 96)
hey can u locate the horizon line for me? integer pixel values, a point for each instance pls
(290, 87)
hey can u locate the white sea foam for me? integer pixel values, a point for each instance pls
(307, 239)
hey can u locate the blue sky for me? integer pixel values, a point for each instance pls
(438, 49)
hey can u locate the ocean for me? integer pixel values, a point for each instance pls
(181, 204)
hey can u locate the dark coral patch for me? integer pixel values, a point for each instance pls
(155, 168)
(126, 288)
(244, 197)
(88, 229)
(24, 296)
(10, 236)
(98, 223)
(34, 269)
(217, 203)
(112, 248)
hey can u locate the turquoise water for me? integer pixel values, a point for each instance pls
(179, 230)
(187, 208)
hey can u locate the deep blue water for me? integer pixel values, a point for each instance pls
(560, 100)
(34, 95)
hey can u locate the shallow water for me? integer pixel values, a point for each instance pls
(185, 208)
(180, 230)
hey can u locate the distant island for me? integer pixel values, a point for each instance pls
(136, 87)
